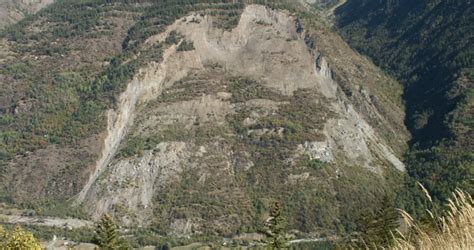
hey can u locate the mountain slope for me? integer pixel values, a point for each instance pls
(11, 11)
(429, 46)
(235, 117)
(194, 117)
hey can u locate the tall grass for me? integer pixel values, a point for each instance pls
(453, 230)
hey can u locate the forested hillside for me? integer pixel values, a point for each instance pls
(192, 118)
(429, 46)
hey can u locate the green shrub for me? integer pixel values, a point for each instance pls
(132, 147)
(186, 45)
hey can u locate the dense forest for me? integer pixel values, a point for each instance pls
(429, 46)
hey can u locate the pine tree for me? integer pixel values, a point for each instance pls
(275, 228)
(18, 239)
(388, 221)
(379, 227)
(107, 233)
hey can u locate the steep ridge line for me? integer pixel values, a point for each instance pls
(143, 87)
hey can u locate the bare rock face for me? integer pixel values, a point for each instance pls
(245, 117)
(11, 11)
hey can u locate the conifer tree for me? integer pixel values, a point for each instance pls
(107, 233)
(275, 228)
(389, 220)
(379, 227)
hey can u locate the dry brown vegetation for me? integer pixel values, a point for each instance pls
(454, 230)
